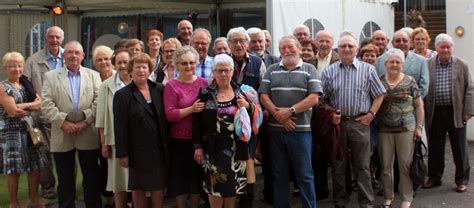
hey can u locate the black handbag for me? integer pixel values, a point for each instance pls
(418, 167)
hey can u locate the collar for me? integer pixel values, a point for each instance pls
(326, 57)
(247, 56)
(299, 64)
(49, 55)
(438, 62)
(354, 62)
(69, 73)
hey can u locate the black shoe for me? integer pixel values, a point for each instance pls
(296, 193)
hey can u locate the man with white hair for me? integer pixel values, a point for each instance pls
(415, 65)
(380, 39)
(257, 46)
(268, 41)
(325, 55)
(201, 40)
(249, 70)
(47, 59)
(353, 87)
(289, 90)
(220, 46)
(302, 32)
(185, 32)
(449, 106)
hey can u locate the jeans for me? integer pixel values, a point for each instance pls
(294, 147)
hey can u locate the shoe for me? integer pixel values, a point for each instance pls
(375, 183)
(296, 193)
(461, 188)
(354, 186)
(431, 184)
(48, 194)
(385, 206)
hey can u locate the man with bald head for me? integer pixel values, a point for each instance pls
(380, 39)
(69, 97)
(257, 46)
(325, 55)
(185, 32)
(47, 59)
(201, 40)
(302, 32)
(415, 65)
(354, 89)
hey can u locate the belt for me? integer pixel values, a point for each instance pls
(349, 118)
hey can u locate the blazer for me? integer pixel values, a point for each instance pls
(462, 91)
(415, 66)
(141, 131)
(269, 59)
(105, 115)
(57, 103)
(314, 61)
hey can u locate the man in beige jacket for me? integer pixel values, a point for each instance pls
(69, 102)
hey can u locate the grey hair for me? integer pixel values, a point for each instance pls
(267, 32)
(443, 37)
(395, 52)
(219, 39)
(291, 37)
(238, 30)
(181, 22)
(255, 30)
(300, 27)
(223, 59)
(181, 51)
(407, 30)
(61, 31)
(205, 31)
(73, 42)
(349, 34)
(101, 49)
(323, 31)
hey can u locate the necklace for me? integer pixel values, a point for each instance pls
(393, 84)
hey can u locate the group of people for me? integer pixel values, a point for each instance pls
(171, 119)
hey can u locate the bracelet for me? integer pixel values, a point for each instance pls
(419, 126)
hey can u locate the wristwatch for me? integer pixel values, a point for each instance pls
(373, 113)
(293, 110)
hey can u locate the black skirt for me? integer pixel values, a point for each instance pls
(185, 174)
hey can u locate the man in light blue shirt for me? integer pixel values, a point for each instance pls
(201, 41)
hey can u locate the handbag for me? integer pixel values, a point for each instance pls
(418, 167)
(35, 134)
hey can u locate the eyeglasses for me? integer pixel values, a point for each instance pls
(241, 41)
(401, 40)
(347, 46)
(223, 72)
(192, 63)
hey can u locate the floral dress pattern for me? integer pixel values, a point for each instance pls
(224, 176)
(18, 156)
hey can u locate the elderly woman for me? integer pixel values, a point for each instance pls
(168, 73)
(154, 42)
(141, 132)
(308, 49)
(368, 53)
(180, 103)
(400, 123)
(421, 40)
(117, 177)
(217, 147)
(17, 100)
(135, 46)
(101, 57)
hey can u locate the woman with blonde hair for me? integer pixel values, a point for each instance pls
(421, 41)
(17, 100)
(170, 45)
(101, 57)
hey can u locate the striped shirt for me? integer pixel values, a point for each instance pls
(288, 87)
(443, 83)
(351, 88)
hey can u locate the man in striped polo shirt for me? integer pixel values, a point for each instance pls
(289, 90)
(350, 85)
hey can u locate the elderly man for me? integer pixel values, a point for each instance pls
(220, 46)
(380, 39)
(69, 102)
(353, 87)
(185, 32)
(268, 41)
(289, 90)
(257, 46)
(248, 69)
(415, 65)
(201, 39)
(302, 32)
(325, 55)
(36, 66)
(449, 105)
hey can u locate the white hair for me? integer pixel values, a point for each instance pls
(205, 31)
(73, 42)
(61, 31)
(395, 52)
(347, 33)
(407, 30)
(255, 30)
(443, 37)
(223, 59)
(301, 27)
(220, 39)
(236, 30)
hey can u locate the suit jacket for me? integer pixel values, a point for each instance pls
(269, 59)
(415, 66)
(462, 91)
(141, 132)
(105, 115)
(57, 103)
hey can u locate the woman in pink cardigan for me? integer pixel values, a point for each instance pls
(180, 103)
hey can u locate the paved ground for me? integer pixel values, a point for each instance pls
(443, 196)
